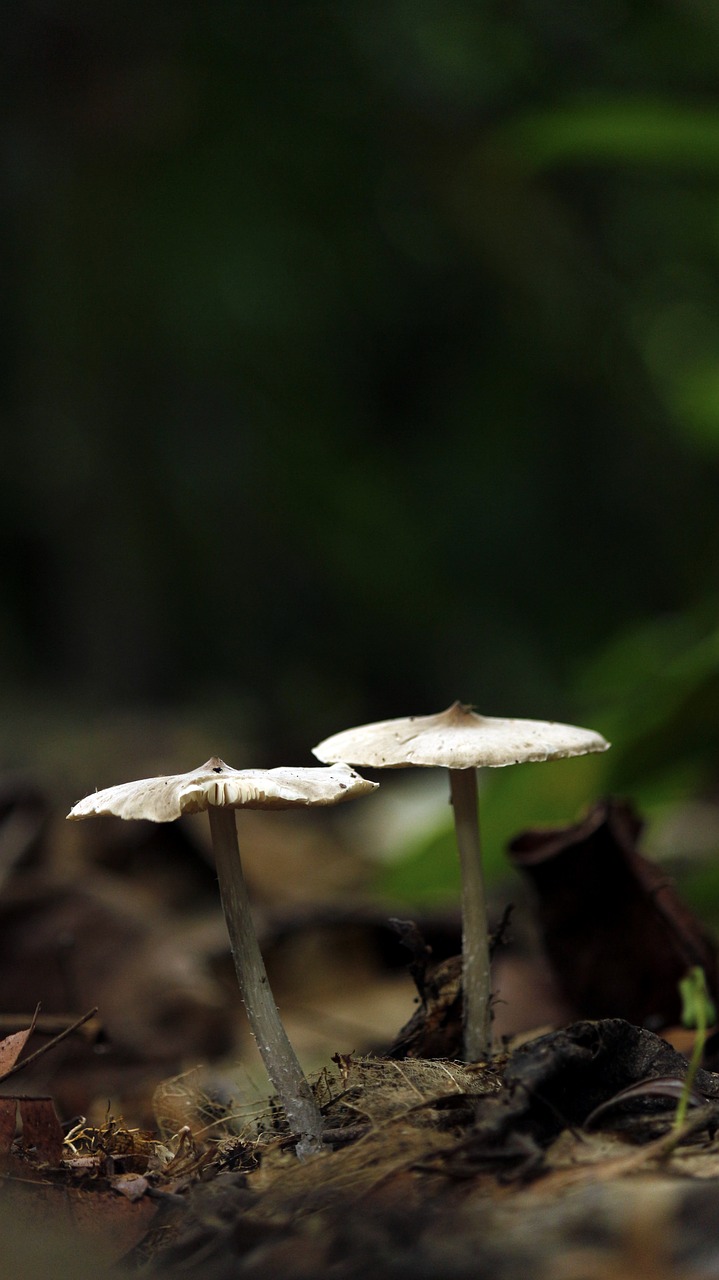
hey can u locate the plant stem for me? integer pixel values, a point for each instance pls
(475, 937)
(280, 1059)
(700, 1016)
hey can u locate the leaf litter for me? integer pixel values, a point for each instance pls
(431, 1167)
(424, 1158)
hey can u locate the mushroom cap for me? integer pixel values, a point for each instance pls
(216, 783)
(457, 738)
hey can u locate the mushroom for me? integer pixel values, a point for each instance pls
(462, 741)
(220, 789)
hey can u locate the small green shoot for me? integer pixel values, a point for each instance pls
(697, 1011)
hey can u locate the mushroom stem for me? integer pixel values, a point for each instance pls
(476, 989)
(280, 1059)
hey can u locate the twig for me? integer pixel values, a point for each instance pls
(45, 1048)
(45, 1024)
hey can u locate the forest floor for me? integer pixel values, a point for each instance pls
(432, 1168)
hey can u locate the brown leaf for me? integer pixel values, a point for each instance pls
(8, 1119)
(671, 1087)
(131, 1185)
(99, 1225)
(11, 1048)
(615, 931)
(41, 1128)
(110, 1224)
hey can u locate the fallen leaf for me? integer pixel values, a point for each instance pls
(671, 1087)
(8, 1121)
(615, 931)
(11, 1048)
(131, 1185)
(112, 1224)
(41, 1128)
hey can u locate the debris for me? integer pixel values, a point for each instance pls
(617, 935)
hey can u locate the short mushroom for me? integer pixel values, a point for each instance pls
(462, 741)
(220, 789)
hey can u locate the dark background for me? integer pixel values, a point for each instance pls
(358, 357)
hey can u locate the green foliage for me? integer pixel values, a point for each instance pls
(425, 871)
(697, 1011)
(626, 130)
(653, 691)
(697, 1006)
(510, 799)
(361, 357)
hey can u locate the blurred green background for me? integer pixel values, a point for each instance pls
(359, 357)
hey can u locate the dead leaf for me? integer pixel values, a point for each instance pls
(41, 1128)
(131, 1185)
(112, 1224)
(671, 1087)
(97, 1224)
(615, 931)
(8, 1121)
(11, 1048)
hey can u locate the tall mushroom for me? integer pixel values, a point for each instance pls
(220, 789)
(462, 741)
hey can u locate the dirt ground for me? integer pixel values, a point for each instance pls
(135, 1129)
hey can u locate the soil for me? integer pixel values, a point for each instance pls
(432, 1168)
(559, 1158)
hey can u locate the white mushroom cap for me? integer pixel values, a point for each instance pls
(457, 738)
(218, 784)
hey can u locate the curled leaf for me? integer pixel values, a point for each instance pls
(671, 1087)
(616, 933)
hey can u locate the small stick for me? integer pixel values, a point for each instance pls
(45, 1024)
(45, 1048)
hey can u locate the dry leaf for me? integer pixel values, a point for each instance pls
(614, 929)
(131, 1185)
(41, 1128)
(8, 1121)
(11, 1048)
